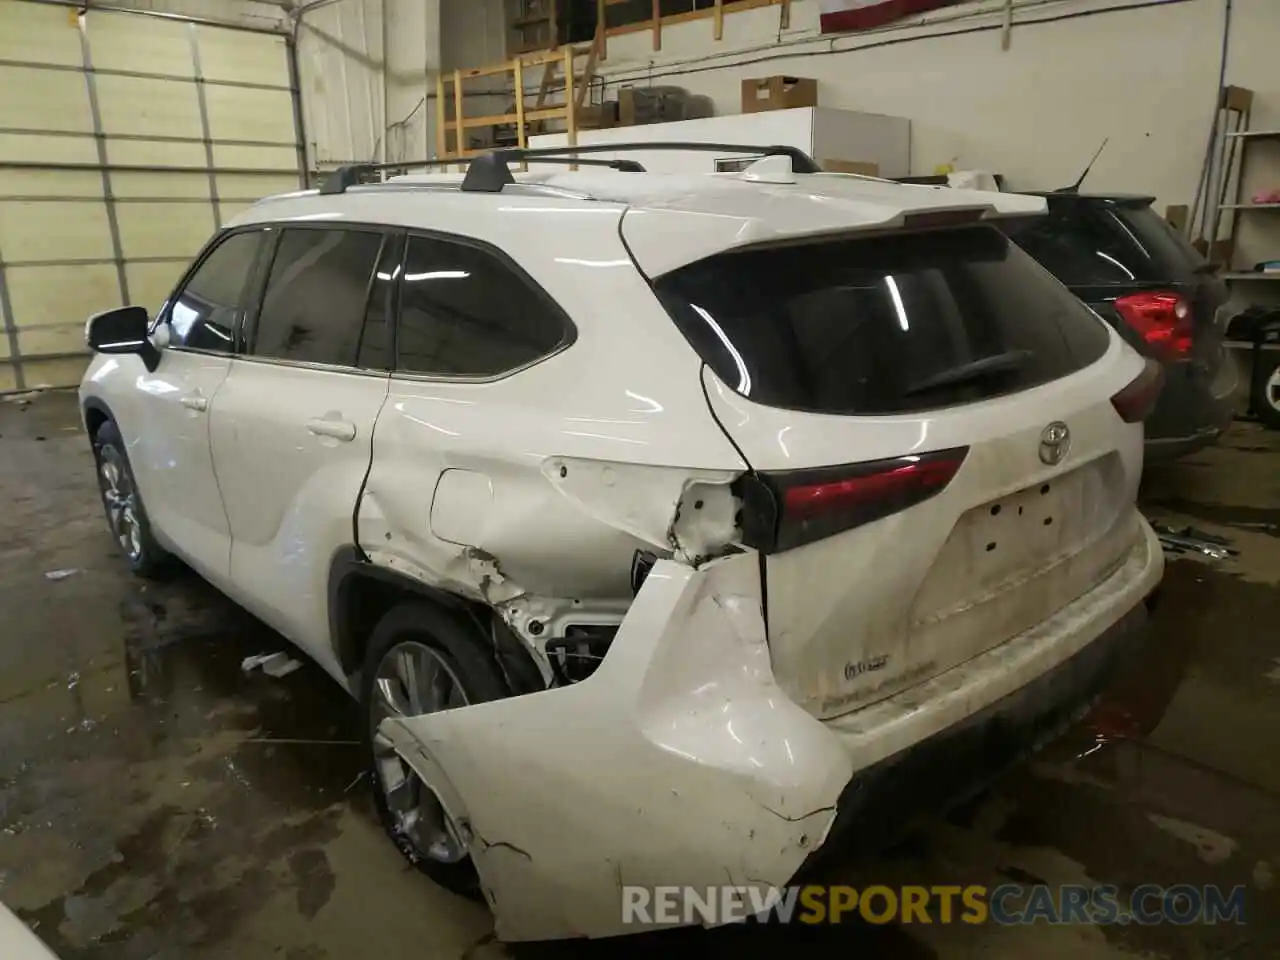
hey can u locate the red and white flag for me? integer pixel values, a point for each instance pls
(841, 15)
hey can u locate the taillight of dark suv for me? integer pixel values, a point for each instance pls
(1162, 319)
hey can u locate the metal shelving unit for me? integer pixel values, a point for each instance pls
(1228, 180)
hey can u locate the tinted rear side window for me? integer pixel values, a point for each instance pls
(314, 305)
(882, 325)
(464, 311)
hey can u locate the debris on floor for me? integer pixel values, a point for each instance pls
(273, 664)
(61, 574)
(1191, 540)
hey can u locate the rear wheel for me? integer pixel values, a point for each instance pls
(1266, 391)
(422, 660)
(126, 515)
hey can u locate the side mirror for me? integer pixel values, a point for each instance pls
(123, 330)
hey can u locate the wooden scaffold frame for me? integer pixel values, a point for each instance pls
(451, 118)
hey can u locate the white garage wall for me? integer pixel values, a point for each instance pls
(342, 75)
(358, 105)
(1142, 73)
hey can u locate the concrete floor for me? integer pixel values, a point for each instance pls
(157, 803)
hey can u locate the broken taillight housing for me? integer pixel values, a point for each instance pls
(1136, 401)
(787, 509)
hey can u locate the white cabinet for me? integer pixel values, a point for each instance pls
(824, 133)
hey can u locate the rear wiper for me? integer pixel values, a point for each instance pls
(992, 366)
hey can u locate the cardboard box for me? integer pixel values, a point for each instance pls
(640, 105)
(851, 166)
(600, 116)
(778, 93)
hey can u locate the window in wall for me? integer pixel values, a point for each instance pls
(314, 306)
(203, 315)
(464, 311)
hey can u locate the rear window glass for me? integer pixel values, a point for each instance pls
(1092, 245)
(882, 325)
(1165, 247)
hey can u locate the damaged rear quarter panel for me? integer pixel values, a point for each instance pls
(458, 485)
(678, 762)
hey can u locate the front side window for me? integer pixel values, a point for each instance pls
(313, 307)
(464, 311)
(203, 314)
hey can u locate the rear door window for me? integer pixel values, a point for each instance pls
(882, 325)
(313, 308)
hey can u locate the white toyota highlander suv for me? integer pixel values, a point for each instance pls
(669, 529)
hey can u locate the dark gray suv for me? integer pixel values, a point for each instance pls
(1121, 258)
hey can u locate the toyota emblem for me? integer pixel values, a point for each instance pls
(1055, 441)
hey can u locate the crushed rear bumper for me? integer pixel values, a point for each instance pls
(681, 762)
(881, 802)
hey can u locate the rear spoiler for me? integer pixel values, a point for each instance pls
(663, 238)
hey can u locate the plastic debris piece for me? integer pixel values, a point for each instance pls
(61, 574)
(272, 664)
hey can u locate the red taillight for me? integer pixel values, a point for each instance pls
(1163, 320)
(1135, 402)
(786, 510)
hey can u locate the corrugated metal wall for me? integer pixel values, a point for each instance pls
(340, 63)
(125, 141)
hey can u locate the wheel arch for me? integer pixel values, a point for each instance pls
(94, 412)
(361, 592)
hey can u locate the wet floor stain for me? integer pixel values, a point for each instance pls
(1253, 519)
(156, 802)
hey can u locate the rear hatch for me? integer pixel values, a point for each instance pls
(937, 461)
(1142, 276)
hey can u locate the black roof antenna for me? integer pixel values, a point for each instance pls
(1075, 187)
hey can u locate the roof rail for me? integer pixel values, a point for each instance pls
(354, 174)
(490, 173)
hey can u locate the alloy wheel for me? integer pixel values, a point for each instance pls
(121, 500)
(411, 680)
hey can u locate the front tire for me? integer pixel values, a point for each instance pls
(126, 516)
(421, 659)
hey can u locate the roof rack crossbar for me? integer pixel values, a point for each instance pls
(491, 173)
(353, 174)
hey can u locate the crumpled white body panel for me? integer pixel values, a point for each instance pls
(678, 762)
(681, 762)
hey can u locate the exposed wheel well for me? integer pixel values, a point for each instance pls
(361, 594)
(94, 417)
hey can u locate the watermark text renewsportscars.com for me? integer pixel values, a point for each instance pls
(1007, 904)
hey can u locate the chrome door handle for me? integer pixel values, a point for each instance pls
(194, 402)
(343, 430)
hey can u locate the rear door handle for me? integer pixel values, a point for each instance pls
(195, 402)
(343, 430)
